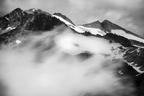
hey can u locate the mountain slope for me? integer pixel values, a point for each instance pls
(20, 24)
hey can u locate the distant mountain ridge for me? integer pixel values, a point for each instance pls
(19, 22)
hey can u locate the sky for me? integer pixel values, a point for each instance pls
(126, 13)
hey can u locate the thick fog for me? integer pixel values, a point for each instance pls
(61, 64)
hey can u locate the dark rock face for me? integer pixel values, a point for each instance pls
(19, 22)
(34, 20)
(41, 21)
(14, 19)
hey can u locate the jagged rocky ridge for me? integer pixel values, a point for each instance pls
(19, 23)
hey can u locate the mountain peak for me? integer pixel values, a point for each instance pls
(129, 46)
(19, 22)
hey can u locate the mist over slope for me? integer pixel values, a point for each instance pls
(45, 54)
